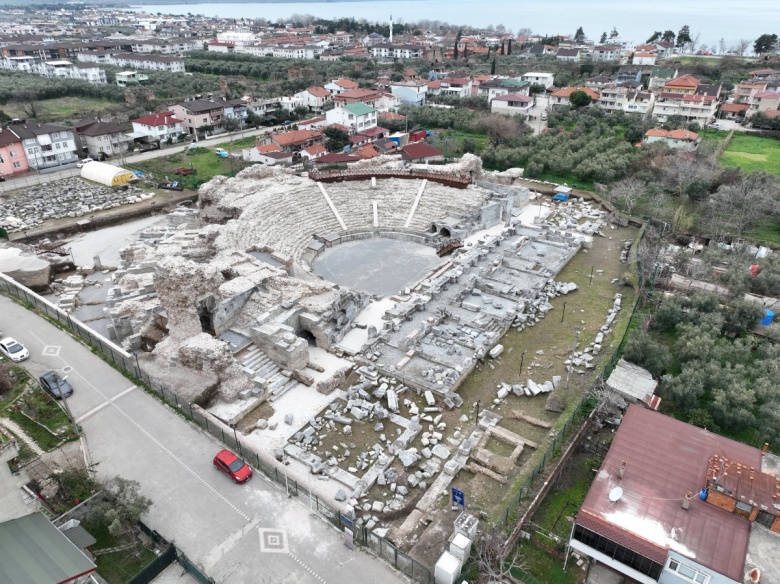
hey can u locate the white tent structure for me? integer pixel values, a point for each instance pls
(106, 174)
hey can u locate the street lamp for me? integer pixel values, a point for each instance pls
(65, 403)
(235, 435)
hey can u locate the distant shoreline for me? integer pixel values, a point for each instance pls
(196, 2)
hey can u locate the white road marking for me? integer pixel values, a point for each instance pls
(104, 404)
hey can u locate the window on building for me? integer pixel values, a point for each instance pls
(687, 572)
(17, 165)
(13, 153)
(617, 552)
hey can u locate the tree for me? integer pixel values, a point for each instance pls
(668, 36)
(766, 43)
(579, 36)
(536, 88)
(121, 508)
(337, 139)
(495, 564)
(499, 129)
(656, 36)
(501, 49)
(579, 99)
(645, 351)
(603, 38)
(627, 193)
(493, 67)
(509, 47)
(746, 203)
(741, 47)
(231, 124)
(614, 33)
(683, 37)
(722, 46)
(457, 42)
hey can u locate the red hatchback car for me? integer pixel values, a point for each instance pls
(232, 466)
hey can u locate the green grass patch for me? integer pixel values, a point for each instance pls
(42, 437)
(20, 379)
(203, 160)
(544, 567)
(753, 153)
(117, 567)
(237, 143)
(64, 108)
(767, 233)
(716, 136)
(40, 406)
(570, 180)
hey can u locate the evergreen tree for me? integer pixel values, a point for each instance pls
(668, 36)
(509, 47)
(493, 67)
(603, 38)
(766, 43)
(614, 34)
(684, 36)
(579, 36)
(655, 37)
(457, 42)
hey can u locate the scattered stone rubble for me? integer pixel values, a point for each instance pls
(70, 197)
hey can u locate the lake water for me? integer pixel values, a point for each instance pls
(635, 21)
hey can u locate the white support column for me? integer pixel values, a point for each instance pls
(414, 205)
(376, 214)
(332, 206)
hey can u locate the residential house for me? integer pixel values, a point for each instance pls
(199, 116)
(764, 101)
(312, 123)
(293, 142)
(572, 54)
(625, 74)
(313, 152)
(644, 58)
(455, 86)
(679, 139)
(412, 92)
(12, 158)
(625, 97)
(546, 79)
(46, 145)
(293, 51)
(685, 96)
(340, 86)
(216, 46)
(734, 111)
(420, 153)
(597, 82)
(34, 550)
(270, 154)
(746, 90)
(373, 39)
(314, 98)
(397, 51)
(125, 78)
(561, 96)
(541, 50)
(355, 116)
(690, 509)
(659, 76)
(102, 139)
(512, 104)
(368, 96)
(156, 128)
(606, 53)
(153, 62)
(503, 86)
(387, 102)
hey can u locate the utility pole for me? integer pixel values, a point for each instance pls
(65, 403)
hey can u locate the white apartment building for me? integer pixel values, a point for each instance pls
(546, 79)
(46, 145)
(355, 116)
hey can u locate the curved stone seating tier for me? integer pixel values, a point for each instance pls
(439, 201)
(354, 201)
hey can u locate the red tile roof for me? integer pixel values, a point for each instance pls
(734, 107)
(265, 148)
(315, 150)
(567, 91)
(672, 134)
(684, 81)
(418, 151)
(317, 91)
(346, 83)
(514, 97)
(665, 460)
(158, 119)
(295, 137)
(334, 158)
(391, 116)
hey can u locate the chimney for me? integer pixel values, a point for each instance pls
(622, 470)
(686, 503)
(765, 448)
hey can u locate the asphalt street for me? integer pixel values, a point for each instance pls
(248, 533)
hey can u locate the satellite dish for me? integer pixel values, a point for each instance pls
(615, 494)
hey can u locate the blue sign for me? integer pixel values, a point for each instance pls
(458, 498)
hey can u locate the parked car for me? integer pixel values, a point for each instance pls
(83, 162)
(544, 116)
(221, 152)
(230, 464)
(55, 384)
(14, 350)
(713, 126)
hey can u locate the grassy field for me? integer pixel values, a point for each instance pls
(753, 153)
(64, 108)
(204, 160)
(117, 567)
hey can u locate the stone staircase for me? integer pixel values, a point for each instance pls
(265, 374)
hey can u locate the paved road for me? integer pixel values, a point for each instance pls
(33, 178)
(245, 533)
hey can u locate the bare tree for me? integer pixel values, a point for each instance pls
(695, 42)
(743, 204)
(741, 47)
(498, 128)
(722, 46)
(627, 193)
(494, 562)
(688, 178)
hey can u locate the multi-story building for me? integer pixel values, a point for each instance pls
(495, 87)
(606, 53)
(511, 104)
(546, 79)
(413, 92)
(201, 115)
(314, 98)
(12, 158)
(102, 139)
(397, 51)
(561, 97)
(355, 116)
(151, 62)
(340, 86)
(125, 78)
(157, 128)
(46, 145)
(625, 97)
(367, 96)
(687, 97)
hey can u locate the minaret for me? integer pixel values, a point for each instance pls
(391, 28)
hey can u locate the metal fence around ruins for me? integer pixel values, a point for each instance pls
(128, 364)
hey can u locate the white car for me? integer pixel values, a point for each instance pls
(14, 350)
(83, 162)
